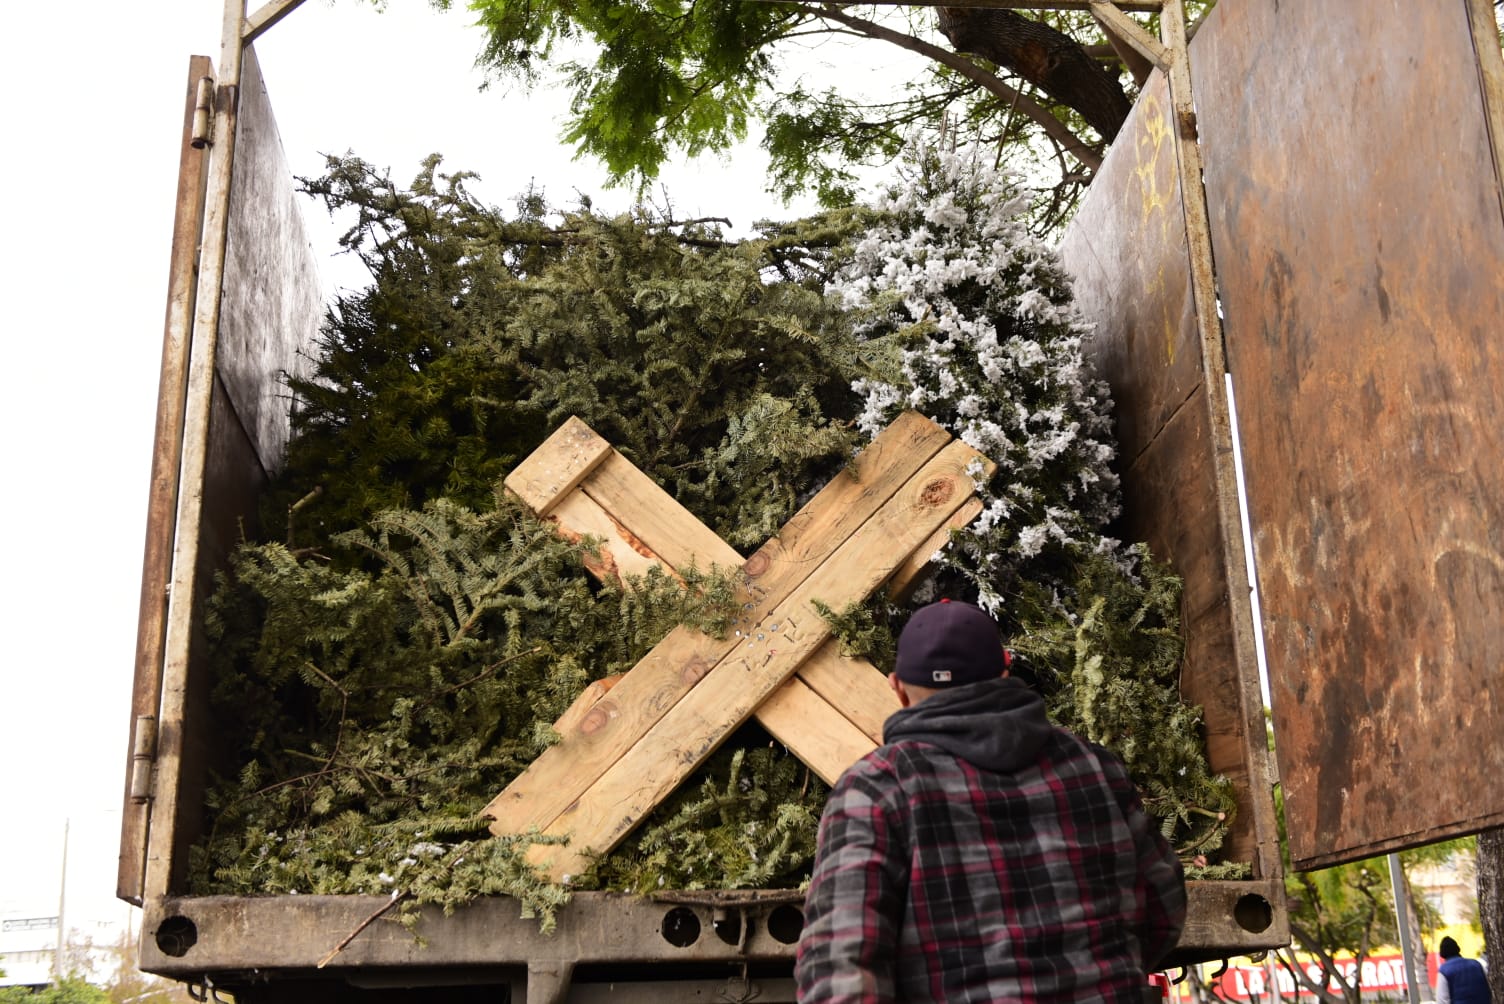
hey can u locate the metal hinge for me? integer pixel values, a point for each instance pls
(203, 113)
(143, 757)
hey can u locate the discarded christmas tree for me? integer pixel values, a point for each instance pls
(402, 653)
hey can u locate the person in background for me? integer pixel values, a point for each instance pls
(982, 853)
(1460, 980)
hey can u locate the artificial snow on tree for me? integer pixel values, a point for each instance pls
(397, 649)
(972, 318)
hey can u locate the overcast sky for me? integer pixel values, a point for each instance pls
(92, 105)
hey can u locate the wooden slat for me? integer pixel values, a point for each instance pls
(651, 522)
(621, 555)
(826, 744)
(652, 515)
(917, 566)
(563, 772)
(577, 715)
(639, 525)
(554, 469)
(854, 687)
(767, 653)
(1121, 28)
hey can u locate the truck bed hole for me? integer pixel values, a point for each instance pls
(1253, 913)
(785, 924)
(176, 935)
(681, 928)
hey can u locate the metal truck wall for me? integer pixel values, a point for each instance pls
(1352, 176)
(269, 310)
(1351, 168)
(1128, 251)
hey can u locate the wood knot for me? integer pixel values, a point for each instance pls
(598, 717)
(937, 491)
(756, 565)
(693, 671)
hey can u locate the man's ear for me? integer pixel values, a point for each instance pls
(897, 685)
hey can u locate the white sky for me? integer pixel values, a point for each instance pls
(90, 115)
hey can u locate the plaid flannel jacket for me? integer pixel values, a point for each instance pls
(937, 880)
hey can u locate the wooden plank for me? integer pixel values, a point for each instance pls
(654, 523)
(563, 772)
(1121, 28)
(639, 525)
(826, 744)
(767, 652)
(557, 467)
(856, 689)
(577, 715)
(917, 565)
(652, 515)
(621, 555)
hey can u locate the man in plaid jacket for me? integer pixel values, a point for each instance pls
(982, 853)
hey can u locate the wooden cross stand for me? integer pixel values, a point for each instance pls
(626, 747)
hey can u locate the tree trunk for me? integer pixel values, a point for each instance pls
(1491, 904)
(1044, 57)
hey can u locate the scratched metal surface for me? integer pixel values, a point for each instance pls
(272, 303)
(1359, 242)
(1127, 252)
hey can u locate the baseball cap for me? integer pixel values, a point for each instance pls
(949, 644)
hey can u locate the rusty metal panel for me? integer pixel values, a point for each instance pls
(162, 501)
(1360, 253)
(1128, 252)
(269, 939)
(273, 302)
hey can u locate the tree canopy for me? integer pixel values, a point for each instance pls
(653, 81)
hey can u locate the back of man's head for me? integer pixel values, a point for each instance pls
(949, 644)
(1448, 949)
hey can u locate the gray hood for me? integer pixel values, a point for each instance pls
(998, 725)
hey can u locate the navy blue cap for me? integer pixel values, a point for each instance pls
(949, 644)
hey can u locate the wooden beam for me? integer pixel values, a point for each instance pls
(779, 638)
(557, 466)
(260, 22)
(638, 526)
(564, 771)
(1136, 47)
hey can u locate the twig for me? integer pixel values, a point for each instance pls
(292, 511)
(397, 897)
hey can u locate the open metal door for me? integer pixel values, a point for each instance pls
(244, 308)
(1352, 170)
(161, 512)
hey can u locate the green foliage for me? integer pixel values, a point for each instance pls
(69, 991)
(1111, 675)
(480, 335)
(370, 716)
(674, 78)
(749, 824)
(387, 670)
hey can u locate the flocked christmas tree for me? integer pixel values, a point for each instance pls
(400, 654)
